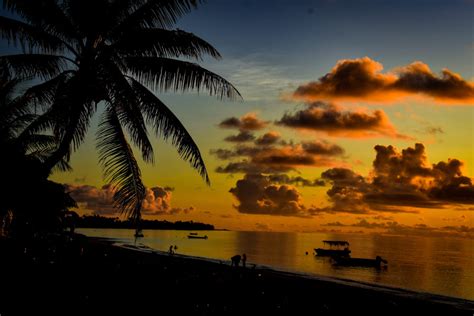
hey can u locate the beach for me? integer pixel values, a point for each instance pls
(92, 275)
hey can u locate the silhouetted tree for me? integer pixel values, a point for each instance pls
(29, 202)
(111, 51)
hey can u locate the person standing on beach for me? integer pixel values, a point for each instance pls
(235, 260)
(244, 260)
(171, 250)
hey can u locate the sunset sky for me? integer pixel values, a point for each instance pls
(356, 116)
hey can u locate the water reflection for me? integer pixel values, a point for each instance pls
(280, 248)
(438, 265)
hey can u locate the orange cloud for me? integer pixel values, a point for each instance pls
(100, 200)
(361, 79)
(269, 138)
(399, 180)
(256, 194)
(278, 158)
(248, 122)
(332, 120)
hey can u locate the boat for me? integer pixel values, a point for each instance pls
(191, 236)
(337, 248)
(194, 234)
(360, 262)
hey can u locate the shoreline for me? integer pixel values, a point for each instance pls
(86, 275)
(356, 284)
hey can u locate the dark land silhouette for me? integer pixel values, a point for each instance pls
(96, 221)
(75, 275)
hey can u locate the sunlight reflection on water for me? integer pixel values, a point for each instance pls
(437, 265)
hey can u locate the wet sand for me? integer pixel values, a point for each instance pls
(89, 276)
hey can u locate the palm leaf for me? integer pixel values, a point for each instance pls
(29, 37)
(126, 105)
(163, 43)
(168, 126)
(43, 94)
(25, 66)
(120, 167)
(70, 116)
(47, 15)
(166, 74)
(153, 13)
(39, 143)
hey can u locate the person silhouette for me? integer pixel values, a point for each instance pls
(171, 250)
(235, 260)
(244, 260)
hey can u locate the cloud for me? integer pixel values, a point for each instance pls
(398, 180)
(362, 79)
(80, 179)
(100, 200)
(425, 230)
(246, 166)
(334, 224)
(332, 120)
(393, 227)
(256, 194)
(322, 148)
(449, 183)
(273, 159)
(268, 155)
(248, 122)
(297, 181)
(269, 138)
(434, 130)
(241, 137)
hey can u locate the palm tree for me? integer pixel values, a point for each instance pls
(30, 202)
(115, 52)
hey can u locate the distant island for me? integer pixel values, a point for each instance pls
(97, 221)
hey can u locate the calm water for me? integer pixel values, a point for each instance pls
(437, 265)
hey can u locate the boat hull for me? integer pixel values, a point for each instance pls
(359, 262)
(332, 252)
(197, 237)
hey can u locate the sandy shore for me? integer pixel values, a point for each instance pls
(89, 276)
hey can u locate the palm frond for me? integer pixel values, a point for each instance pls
(161, 13)
(35, 143)
(42, 156)
(69, 116)
(29, 37)
(126, 105)
(120, 167)
(165, 74)
(16, 122)
(25, 66)
(43, 122)
(168, 126)
(164, 43)
(43, 94)
(47, 15)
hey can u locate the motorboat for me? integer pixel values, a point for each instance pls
(360, 262)
(337, 248)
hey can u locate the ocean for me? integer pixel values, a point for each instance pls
(437, 265)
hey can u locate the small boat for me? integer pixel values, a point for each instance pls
(335, 249)
(360, 262)
(194, 234)
(191, 236)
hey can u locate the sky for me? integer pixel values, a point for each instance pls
(357, 116)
